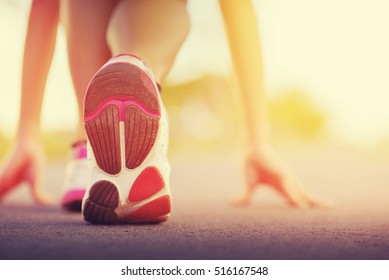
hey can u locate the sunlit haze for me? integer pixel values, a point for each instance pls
(337, 51)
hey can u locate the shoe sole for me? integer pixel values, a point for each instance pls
(123, 94)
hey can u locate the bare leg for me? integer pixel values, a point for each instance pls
(123, 137)
(86, 25)
(263, 166)
(25, 162)
(154, 30)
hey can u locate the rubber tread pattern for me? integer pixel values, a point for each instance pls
(121, 79)
(104, 137)
(100, 206)
(140, 133)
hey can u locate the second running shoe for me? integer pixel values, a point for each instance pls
(127, 131)
(76, 178)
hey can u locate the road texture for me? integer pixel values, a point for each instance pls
(204, 226)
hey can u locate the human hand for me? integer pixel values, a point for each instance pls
(25, 164)
(267, 169)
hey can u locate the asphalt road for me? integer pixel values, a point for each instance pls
(204, 226)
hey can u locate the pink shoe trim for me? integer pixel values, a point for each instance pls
(79, 150)
(121, 102)
(127, 54)
(79, 143)
(72, 196)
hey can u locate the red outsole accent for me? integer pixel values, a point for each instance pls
(149, 182)
(153, 210)
(140, 134)
(104, 136)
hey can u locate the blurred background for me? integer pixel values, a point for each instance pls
(326, 71)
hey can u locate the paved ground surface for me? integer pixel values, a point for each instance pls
(204, 226)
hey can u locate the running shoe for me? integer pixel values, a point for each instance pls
(127, 131)
(76, 178)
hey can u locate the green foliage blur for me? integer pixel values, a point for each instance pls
(205, 116)
(295, 117)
